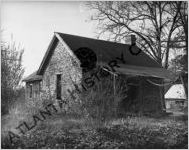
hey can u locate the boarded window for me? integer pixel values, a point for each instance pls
(58, 86)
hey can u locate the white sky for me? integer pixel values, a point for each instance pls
(32, 24)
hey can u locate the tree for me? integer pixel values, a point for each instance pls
(155, 24)
(179, 65)
(183, 21)
(11, 73)
(181, 61)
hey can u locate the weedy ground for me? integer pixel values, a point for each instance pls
(69, 131)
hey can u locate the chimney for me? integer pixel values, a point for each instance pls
(133, 39)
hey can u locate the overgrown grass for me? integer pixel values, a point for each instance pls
(18, 112)
(99, 129)
(65, 131)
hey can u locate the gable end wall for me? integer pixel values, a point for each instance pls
(62, 63)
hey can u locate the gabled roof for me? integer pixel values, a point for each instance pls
(33, 77)
(105, 51)
(176, 92)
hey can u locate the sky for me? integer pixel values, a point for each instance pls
(32, 25)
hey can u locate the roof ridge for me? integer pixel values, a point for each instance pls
(92, 38)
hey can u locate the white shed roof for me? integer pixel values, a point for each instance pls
(176, 92)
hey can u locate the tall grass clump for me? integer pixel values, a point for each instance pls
(102, 102)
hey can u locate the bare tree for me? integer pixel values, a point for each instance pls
(182, 60)
(155, 23)
(11, 73)
(183, 21)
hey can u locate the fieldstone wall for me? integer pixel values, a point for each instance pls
(62, 63)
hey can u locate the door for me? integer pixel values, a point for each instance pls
(58, 86)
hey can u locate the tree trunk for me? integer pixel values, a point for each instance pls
(184, 83)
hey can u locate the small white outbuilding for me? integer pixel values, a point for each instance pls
(176, 96)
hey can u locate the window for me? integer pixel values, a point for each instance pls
(58, 86)
(30, 90)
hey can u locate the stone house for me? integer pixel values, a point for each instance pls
(68, 58)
